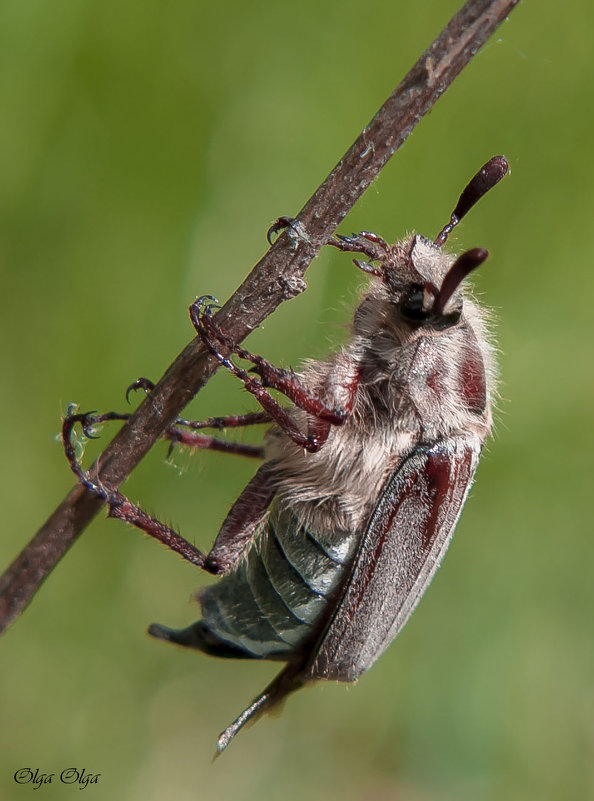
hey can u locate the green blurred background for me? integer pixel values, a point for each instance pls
(144, 150)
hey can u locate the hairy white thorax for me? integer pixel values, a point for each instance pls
(412, 386)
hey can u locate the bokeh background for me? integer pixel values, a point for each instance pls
(144, 150)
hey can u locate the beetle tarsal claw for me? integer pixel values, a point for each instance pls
(280, 224)
(145, 384)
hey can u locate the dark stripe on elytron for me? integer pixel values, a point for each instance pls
(380, 536)
(320, 547)
(438, 485)
(291, 565)
(444, 483)
(428, 532)
(267, 579)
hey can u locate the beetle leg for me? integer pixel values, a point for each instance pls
(366, 242)
(236, 531)
(118, 505)
(177, 436)
(176, 433)
(120, 508)
(141, 383)
(279, 225)
(371, 245)
(270, 377)
(197, 441)
(229, 421)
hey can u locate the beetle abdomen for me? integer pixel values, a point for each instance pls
(271, 602)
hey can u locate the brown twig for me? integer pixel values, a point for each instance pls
(278, 276)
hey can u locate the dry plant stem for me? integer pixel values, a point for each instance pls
(278, 276)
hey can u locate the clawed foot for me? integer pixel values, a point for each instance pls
(145, 384)
(371, 245)
(201, 312)
(88, 421)
(279, 225)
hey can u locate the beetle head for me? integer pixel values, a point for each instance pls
(420, 277)
(430, 296)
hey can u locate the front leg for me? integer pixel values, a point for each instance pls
(369, 244)
(271, 377)
(365, 242)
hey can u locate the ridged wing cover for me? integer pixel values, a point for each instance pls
(399, 554)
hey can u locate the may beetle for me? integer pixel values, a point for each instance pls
(329, 548)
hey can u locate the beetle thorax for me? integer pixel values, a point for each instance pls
(413, 384)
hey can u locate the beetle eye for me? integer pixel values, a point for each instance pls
(411, 305)
(411, 308)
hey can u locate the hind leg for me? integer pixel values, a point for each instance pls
(238, 527)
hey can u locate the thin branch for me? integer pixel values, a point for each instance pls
(278, 276)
